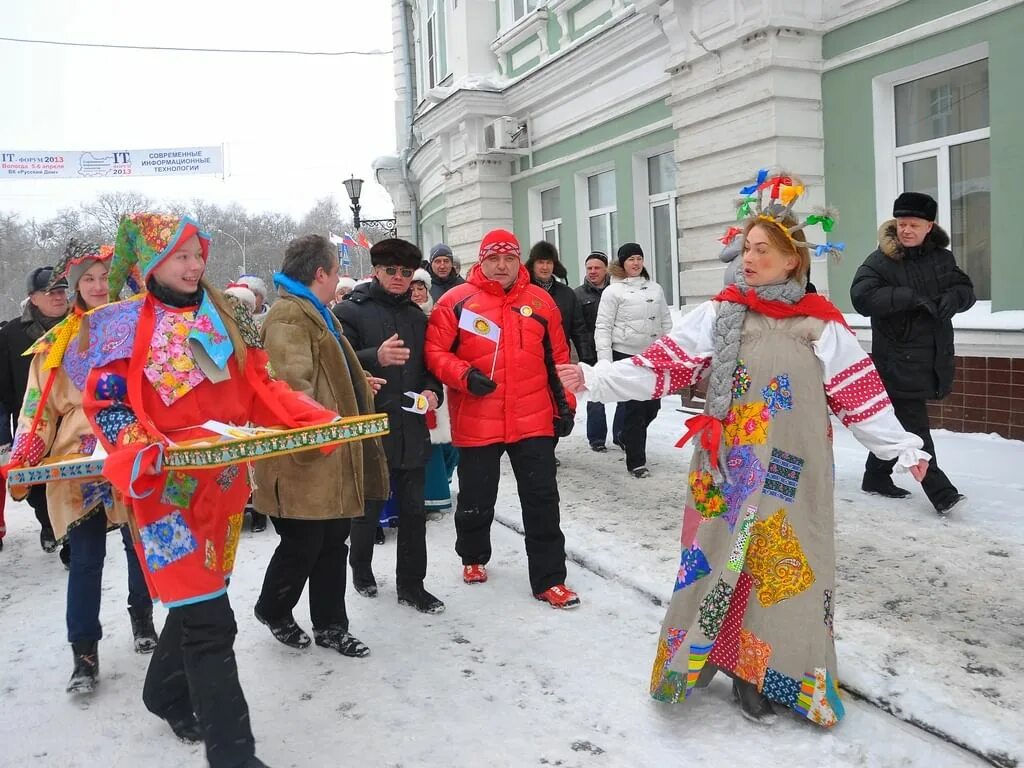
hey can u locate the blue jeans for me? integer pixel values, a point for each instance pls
(597, 424)
(88, 542)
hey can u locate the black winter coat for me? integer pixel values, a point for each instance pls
(439, 287)
(369, 317)
(15, 337)
(589, 298)
(573, 324)
(899, 288)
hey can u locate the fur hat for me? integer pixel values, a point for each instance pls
(144, 240)
(499, 241)
(394, 252)
(915, 204)
(422, 276)
(254, 284)
(243, 293)
(545, 251)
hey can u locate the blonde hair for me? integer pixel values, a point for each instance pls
(781, 239)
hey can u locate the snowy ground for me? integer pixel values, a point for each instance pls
(501, 680)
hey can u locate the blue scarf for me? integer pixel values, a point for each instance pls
(296, 288)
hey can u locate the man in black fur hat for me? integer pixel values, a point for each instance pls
(911, 287)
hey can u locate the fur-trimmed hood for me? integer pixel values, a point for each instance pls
(889, 244)
(618, 273)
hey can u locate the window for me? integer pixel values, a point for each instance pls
(551, 216)
(942, 148)
(522, 7)
(661, 202)
(602, 214)
(432, 73)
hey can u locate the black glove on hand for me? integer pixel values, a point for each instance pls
(928, 306)
(945, 307)
(478, 384)
(564, 422)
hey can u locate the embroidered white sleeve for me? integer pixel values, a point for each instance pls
(856, 395)
(674, 361)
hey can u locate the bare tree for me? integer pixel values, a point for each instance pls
(110, 207)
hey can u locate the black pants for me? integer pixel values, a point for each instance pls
(313, 551)
(637, 416)
(533, 462)
(411, 568)
(193, 670)
(913, 415)
(37, 500)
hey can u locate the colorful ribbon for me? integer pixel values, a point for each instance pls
(710, 430)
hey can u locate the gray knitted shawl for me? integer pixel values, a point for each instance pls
(728, 330)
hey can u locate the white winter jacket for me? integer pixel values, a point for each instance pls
(632, 315)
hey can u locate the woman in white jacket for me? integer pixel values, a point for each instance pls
(633, 314)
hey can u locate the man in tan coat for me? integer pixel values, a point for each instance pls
(311, 497)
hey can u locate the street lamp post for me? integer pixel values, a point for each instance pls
(354, 188)
(241, 246)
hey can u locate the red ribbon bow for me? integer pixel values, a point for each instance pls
(710, 430)
(774, 183)
(730, 235)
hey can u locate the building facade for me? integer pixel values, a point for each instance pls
(590, 123)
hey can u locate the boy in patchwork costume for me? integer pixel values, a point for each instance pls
(166, 361)
(754, 592)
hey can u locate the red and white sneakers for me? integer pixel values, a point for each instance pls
(559, 596)
(474, 574)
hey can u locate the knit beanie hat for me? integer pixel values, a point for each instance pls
(499, 241)
(440, 250)
(597, 255)
(915, 204)
(626, 250)
(254, 284)
(144, 240)
(346, 282)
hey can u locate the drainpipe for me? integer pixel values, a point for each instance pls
(410, 107)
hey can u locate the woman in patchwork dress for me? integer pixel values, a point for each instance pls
(754, 595)
(165, 362)
(52, 423)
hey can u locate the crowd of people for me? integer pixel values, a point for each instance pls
(467, 369)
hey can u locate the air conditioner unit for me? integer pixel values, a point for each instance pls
(505, 135)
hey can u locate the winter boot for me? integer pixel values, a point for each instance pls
(378, 537)
(47, 540)
(286, 631)
(420, 599)
(640, 473)
(341, 641)
(254, 762)
(187, 730)
(948, 506)
(559, 596)
(883, 487)
(364, 583)
(85, 674)
(143, 630)
(65, 556)
(753, 706)
(259, 522)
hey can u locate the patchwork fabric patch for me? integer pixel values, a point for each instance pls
(698, 657)
(747, 424)
(753, 658)
(776, 560)
(111, 386)
(783, 475)
(166, 541)
(725, 654)
(746, 474)
(231, 541)
(693, 564)
(658, 669)
(707, 497)
(31, 406)
(740, 380)
(713, 609)
(112, 420)
(817, 705)
(777, 395)
(828, 612)
(87, 444)
(133, 433)
(780, 688)
(94, 493)
(667, 685)
(670, 688)
(210, 556)
(691, 522)
(227, 476)
(178, 489)
(739, 547)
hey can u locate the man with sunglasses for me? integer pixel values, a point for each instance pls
(387, 330)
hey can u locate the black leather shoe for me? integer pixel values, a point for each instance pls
(883, 487)
(950, 505)
(187, 730)
(364, 582)
(420, 599)
(287, 631)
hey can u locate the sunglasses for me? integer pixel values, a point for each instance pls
(392, 271)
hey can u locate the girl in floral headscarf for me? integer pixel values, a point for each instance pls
(165, 362)
(53, 423)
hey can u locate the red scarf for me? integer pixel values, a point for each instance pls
(811, 305)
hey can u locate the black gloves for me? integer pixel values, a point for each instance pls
(564, 422)
(478, 384)
(928, 306)
(945, 307)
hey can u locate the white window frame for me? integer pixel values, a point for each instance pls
(643, 218)
(551, 225)
(430, 47)
(535, 212)
(583, 221)
(889, 158)
(510, 5)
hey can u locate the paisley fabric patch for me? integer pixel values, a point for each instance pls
(178, 489)
(747, 424)
(776, 560)
(746, 474)
(777, 395)
(783, 475)
(713, 608)
(166, 541)
(693, 564)
(707, 497)
(753, 658)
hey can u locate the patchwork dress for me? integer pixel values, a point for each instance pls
(62, 428)
(755, 590)
(159, 373)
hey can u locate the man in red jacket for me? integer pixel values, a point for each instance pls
(495, 341)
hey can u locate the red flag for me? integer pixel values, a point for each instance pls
(362, 240)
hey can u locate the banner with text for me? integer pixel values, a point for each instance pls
(188, 161)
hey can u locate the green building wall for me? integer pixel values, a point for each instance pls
(849, 133)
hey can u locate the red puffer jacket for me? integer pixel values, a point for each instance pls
(524, 404)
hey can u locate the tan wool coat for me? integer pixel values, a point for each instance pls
(310, 485)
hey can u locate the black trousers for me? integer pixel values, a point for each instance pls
(533, 462)
(313, 551)
(193, 670)
(913, 415)
(411, 566)
(37, 500)
(637, 416)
